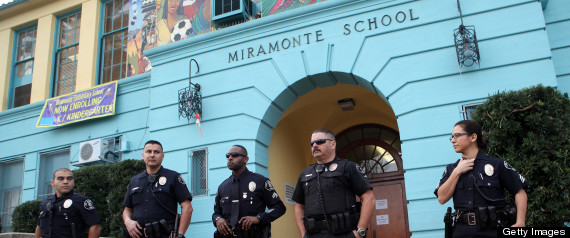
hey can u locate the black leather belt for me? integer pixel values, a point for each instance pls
(466, 217)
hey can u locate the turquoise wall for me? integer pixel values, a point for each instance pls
(557, 17)
(411, 62)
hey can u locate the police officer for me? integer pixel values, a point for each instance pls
(477, 183)
(325, 193)
(239, 209)
(67, 213)
(151, 198)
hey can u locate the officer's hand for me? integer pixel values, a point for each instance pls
(223, 226)
(133, 228)
(464, 165)
(247, 222)
(356, 234)
(518, 225)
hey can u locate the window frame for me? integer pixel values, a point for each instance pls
(42, 172)
(19, 159)
(16, 81)
(467, 108)
(203, 192)
(101, 52)
(57, 49)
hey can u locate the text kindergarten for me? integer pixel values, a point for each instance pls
(317, 36)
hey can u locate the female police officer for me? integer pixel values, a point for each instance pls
(477, 183)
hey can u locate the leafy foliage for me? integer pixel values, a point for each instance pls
(104, 184)
(25, 217)
(530, 129)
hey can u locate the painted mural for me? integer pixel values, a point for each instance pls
(270, 7)
(159, 22)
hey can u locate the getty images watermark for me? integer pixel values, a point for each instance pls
(533, 232)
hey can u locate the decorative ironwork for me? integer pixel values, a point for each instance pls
(190, 98)
(466, 43)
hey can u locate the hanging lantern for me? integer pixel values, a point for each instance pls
(466, 45)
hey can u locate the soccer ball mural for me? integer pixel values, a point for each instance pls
(181, 31)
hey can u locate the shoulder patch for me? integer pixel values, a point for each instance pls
(88, 204)
(509, 166)
(360, 169)
(444, 173)
(181, 180)
(268, 185)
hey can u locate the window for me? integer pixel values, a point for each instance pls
(66, 53)
(468, 110)
(11, 176)
(199, 172)
(49, 162)
(21, 88)
(228, 12)
(114, 41)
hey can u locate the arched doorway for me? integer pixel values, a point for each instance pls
(376, 149)
(308, 106)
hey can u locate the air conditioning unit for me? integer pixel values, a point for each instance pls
(95, 152)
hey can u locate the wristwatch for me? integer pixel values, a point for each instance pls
(180, 235)
(361, 232)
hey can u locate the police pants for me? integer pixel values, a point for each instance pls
(467, 231)
(327, 234)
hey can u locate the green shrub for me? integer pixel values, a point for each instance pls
(25, 217)
(106, 186)
(530, 129)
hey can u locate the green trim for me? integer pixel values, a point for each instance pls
(56, 49)
(13, 70)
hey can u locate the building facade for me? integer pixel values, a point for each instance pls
(382, 74)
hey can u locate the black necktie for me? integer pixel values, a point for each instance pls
(235, 202)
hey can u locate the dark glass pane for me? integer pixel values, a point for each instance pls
(117, 56)
(108, 9)
(117, 21)
(118, 5)
(218, 6)
(227, 6)
(116, 75)
(108, 24)
(107, 58)
(62, 40)
(125, 19)
(108, 43)
(22, 95)
(107, 75)
(235, 4)
(118, 40)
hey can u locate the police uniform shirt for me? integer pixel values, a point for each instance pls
(491, 175)
(255, 194)
(339, 182)
(169, 188)
(71, 208)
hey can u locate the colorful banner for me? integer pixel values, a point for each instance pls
(79, 106)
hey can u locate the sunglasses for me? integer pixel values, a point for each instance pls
(454, 136)
(234, 154)
(319, 141)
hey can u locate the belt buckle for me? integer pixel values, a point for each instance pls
(233, 232)
(471, 219)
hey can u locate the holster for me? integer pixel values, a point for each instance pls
(337, 223)
(155, 229)
(448, 221)
(147, 231)
(506, 217)
(483, 218)
(492, 217)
